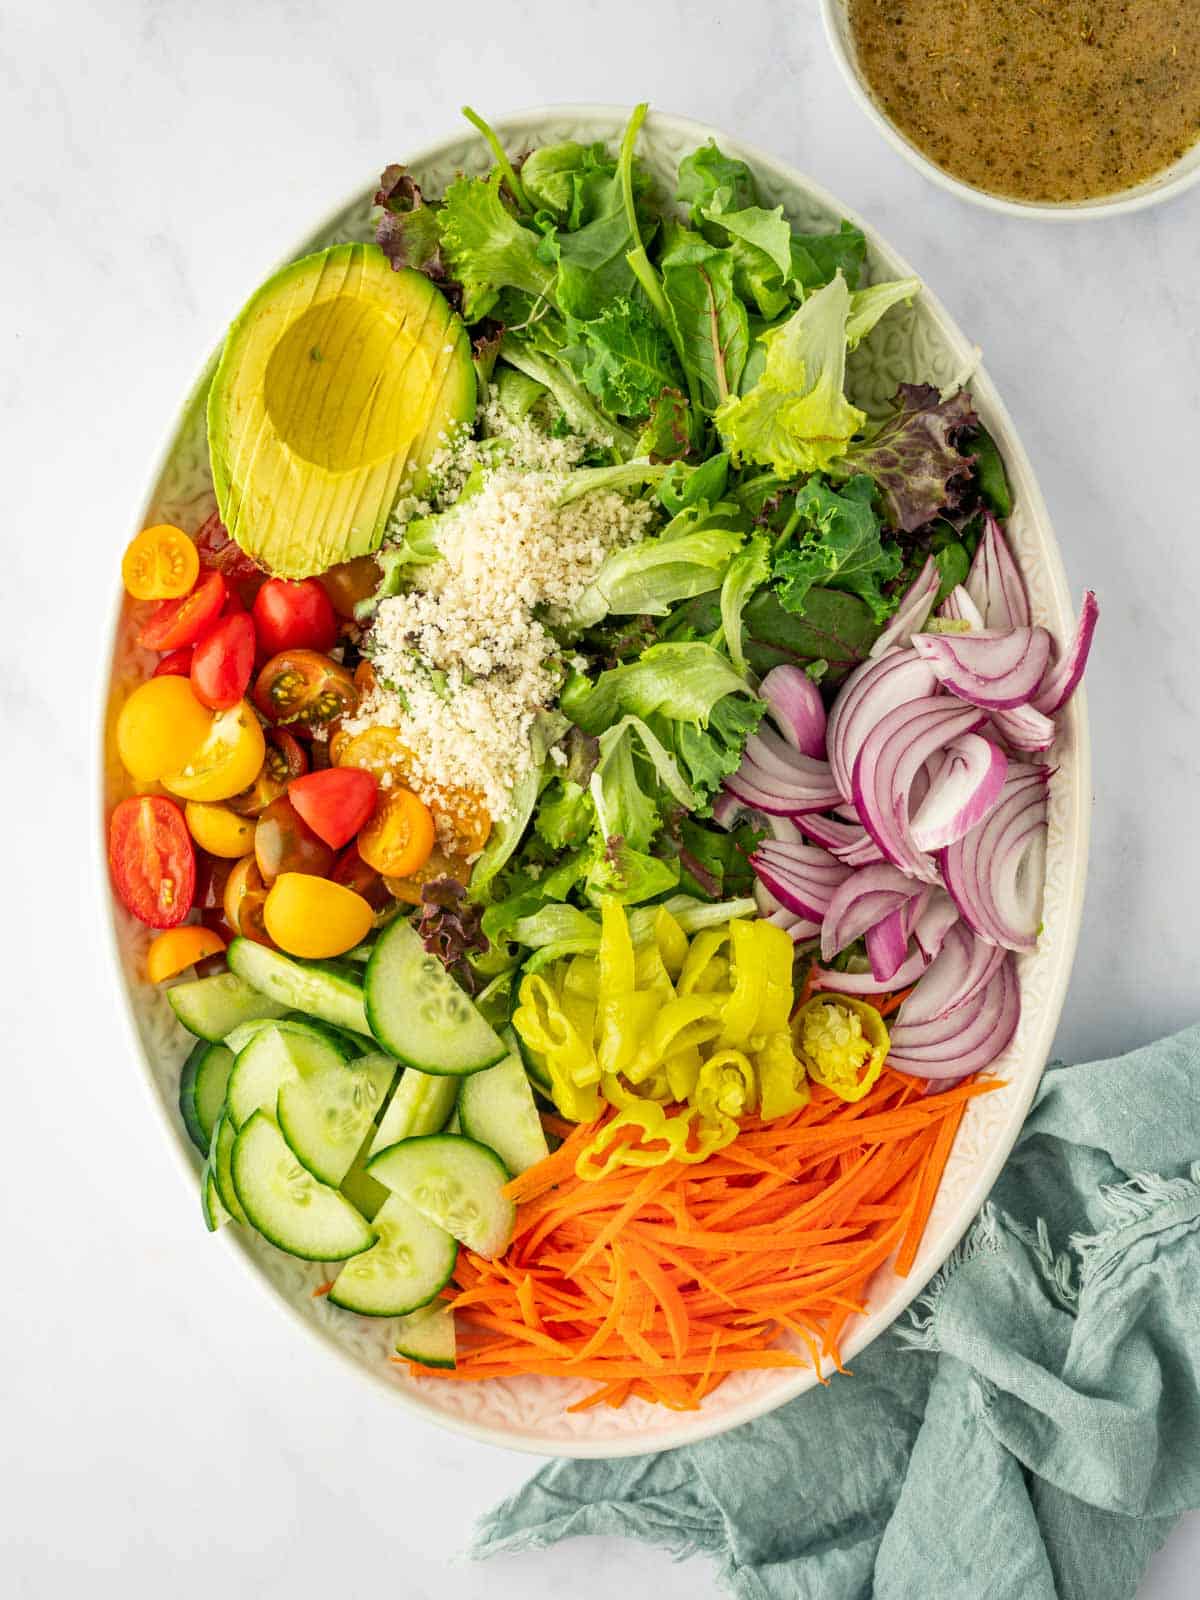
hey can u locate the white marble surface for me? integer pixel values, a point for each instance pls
(163, 1429)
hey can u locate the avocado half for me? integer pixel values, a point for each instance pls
(337, 384)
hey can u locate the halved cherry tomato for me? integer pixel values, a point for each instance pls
(161, 563)
(152, 860)
(312, 917)
(178, 622)
(223, 661)
(352, 872)
(218, 553)
(350, 583)
(400, 836)
(304, 686)
(294, 616)
(462, 820)
(226, 761)
(212, 874)
(335, 803)
(178, 949)
(159, 726)
(245, 897)
(284, 760)
(379, 750)
(438, 865)
(365, 678)
(284, 842)
(219, 830)
(175, 664)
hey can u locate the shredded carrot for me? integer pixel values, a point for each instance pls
(656, 1284)
(322, 1288)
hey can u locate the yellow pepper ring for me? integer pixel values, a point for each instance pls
(843, 1043)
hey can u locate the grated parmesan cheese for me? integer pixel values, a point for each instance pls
(464, 660)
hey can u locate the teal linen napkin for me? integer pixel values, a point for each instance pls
(1031, 1430)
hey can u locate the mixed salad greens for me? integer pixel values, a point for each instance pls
(607, 756)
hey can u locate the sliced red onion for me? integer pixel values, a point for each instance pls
(990, 669)
(798, 929)
(860, 901)
(959, 607)
(1062, 680)
(963, 966)
(797, 708)
(729, 812)
(802, 877)
(979, 1032)
(887, 945)
(995, 583)
(965, 790)
(869, 693)
(933, 924)
(891, 757)
(996, 873)
(1024, 728)
(806, 792)
(913, 612)
(848, 841)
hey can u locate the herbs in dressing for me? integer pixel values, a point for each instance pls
(1037, 99)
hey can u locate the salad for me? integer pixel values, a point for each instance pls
(589, 788)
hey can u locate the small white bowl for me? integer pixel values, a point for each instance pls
(1164, 185)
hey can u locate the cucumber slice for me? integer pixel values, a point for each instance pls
(497, 1108)
(215, 1214)
(418, 1012)
(286, 1204)
(219, 1159)
(454, 1182)
(350, 1044)
(428, 1336)
(535, 1066)
(404, 1270)
(361, 1189)
(316, 990)
(324, 1114)
(276, 1056)
(202, 1091)
(213, 1007)
(421, 1104)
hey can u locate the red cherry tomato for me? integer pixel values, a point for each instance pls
(303, 686)
(352, 872)
(294, 616)
(152, 861)
(223, 661)
(175, 664)
(335, 803)
(176, 623)
(218, 553)
(284, 842)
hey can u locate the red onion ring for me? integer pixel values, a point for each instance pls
(860, 901)
(995, 874)
(979, 1032)
(959, 607)
(990, 669)
(891, 757)
(894, 679)
(802, 877)
(1062, 680)
(797, 708)
(915, 605)
(995, 583)
(966, 788)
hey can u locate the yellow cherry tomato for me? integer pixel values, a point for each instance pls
(398, 838)
(219, 830)
(313, 917)
(179, 948)
(380, 750)
(159, 726)
(161, 563)
(225, 762)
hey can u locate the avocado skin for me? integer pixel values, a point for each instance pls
(337, 384)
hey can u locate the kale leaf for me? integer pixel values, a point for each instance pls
(836, 545)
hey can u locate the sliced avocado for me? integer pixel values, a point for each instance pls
(337, 384)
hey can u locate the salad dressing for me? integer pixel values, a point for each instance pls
(1037, 99)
